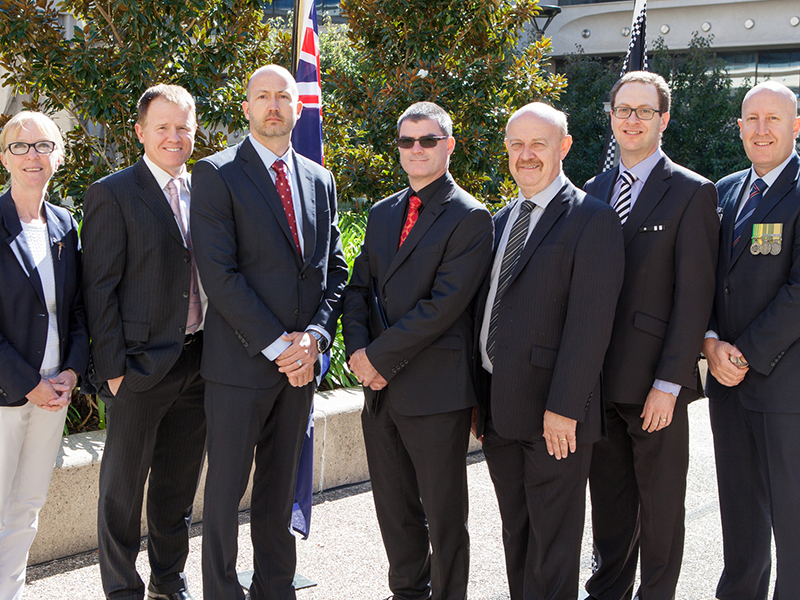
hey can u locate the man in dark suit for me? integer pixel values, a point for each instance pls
(671, 229)
(145, 310)
(544, 321)
(269, 251)
(754, 355)
(425, 252)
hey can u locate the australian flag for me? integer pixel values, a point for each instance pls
(635, 60)
(307, 140)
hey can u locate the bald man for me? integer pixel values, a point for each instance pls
(545, 315)
(754, 355)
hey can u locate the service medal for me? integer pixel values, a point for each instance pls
(765, 248)
(776, 248)
(754, 249)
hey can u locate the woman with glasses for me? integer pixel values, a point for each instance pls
(44, 344)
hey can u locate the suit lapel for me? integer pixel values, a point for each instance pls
(308, 201)
(729, 220)
(153, 197)
(18, 243)
(257, 173)
(57, 231)
(654, 189)
(605, 185)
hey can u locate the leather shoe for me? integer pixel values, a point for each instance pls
(182, 595)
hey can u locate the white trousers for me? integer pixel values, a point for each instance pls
(29, 441)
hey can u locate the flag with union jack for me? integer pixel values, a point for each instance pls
(307, 134)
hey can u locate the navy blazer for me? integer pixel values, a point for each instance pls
(757, 301)
(23, 312)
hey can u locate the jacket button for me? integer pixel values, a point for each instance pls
(772, 364)
(296, 311)
(386, 299)
(181, 328)
(728, 290)
(394, 370)
(302, 276)
(185, 294)
(186, 259)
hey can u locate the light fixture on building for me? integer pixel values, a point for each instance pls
(749, 24)
(794, 21)
(665, 29)
(706, 26)
(585, 34)
(626, 31)
(543, 17)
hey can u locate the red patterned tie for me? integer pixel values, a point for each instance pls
(285, 192)
(414, 205)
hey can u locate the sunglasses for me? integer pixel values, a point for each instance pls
(428, 141)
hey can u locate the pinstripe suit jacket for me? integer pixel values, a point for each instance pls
(136, 278)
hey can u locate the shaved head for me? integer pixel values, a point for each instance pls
(543, 111)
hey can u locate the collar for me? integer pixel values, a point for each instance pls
(643, 169)
(772, 176)
(268, 157)
(162, 177)
(427, 193)
(543, 198)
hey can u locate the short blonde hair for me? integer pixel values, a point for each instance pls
(41, 120)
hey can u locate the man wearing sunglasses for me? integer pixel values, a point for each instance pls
(671, 229)
(408, 334)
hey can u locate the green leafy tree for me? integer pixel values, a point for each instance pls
(464, 56)
(97, 71)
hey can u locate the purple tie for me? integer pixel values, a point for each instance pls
(195, 316)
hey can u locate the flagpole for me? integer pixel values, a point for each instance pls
(296, 15)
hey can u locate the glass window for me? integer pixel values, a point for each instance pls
(783, 67)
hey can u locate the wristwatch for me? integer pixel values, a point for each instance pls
(321, 341)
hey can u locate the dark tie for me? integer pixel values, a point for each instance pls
(414, 205)
(285, 192)
(195, 315)
(516, 242)
(756, 193)
(623, 203)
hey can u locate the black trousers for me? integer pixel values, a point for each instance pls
(418, 470)
(542, 505)
(243, 423)
(160, 432)
(638, 487)
(758, 474)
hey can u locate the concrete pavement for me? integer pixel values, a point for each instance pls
(345, 556)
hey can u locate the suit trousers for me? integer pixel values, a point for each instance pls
(638, 487)
(30, 438)
(758, 474)
(542, 505)
(270, 424)
(160, 431)
(418, 470)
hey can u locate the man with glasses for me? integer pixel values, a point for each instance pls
(408, 334)
(670, 226)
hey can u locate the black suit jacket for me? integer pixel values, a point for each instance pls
(756, 304)
(426, 287)
(555, 320)
(23, 312)
(671, 242)
(257, 285)
(136, 279)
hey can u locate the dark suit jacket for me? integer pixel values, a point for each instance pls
(756, 304)
(555, 320)
(136, 279)
(671, 243)
(426, 287)
(257, 285)
(23, 313)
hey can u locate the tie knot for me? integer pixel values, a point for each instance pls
(414, 203)
(279, 166)
(627, 177)
(759, 186)
(526, 206)
(172, 187)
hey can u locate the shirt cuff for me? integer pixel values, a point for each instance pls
(667, 387)
(276, 348)
(711, 334)
(323, 333)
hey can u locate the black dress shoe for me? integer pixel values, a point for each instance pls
(182, 595)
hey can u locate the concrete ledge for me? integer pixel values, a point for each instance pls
(68, 521)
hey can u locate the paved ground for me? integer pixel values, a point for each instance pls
(344, 554)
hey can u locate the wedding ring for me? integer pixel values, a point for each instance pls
(299, 363)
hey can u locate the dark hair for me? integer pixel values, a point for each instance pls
(648, 78)
(174, 94)
(427, 110)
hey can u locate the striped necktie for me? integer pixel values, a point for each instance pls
(623, 203)
(516, 242)
(756, 193)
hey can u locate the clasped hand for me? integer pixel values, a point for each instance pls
(54, 393)
(366, 374)
(297, 361)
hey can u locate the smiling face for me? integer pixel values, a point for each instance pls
(167, 135)
(768, 128)
(31, 170)
(638, 139)
(272, 108)
(536, 146)
(424, 165)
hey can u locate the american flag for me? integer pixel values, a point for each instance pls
(635, 60)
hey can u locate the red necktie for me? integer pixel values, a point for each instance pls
(285, 192)
(414, 205)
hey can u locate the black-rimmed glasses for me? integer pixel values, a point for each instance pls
(643, 114)
(22, 148)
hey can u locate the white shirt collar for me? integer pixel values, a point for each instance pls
(162, 177)
(643, 169)
(772, 176)
(543, 198)
(268, 156)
